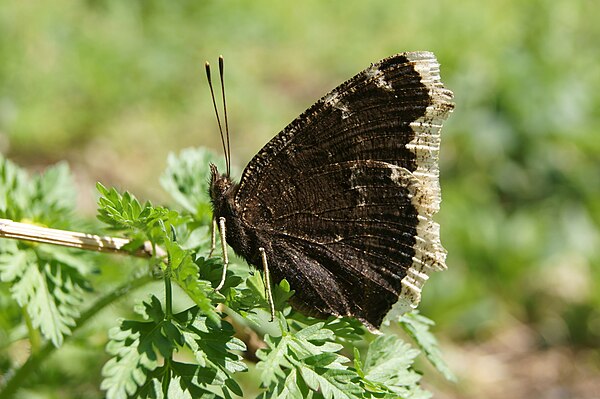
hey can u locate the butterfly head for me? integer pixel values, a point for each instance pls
(222, 189)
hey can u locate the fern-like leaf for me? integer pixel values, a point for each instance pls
(125, 212)
(51, 291)
(186, 179)
(417, 326)
(387, 370)
(138, 347)
(307, 361)
(135, 347)
(186, 274)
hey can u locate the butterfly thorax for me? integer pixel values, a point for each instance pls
(222, 193)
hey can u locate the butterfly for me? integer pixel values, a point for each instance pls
(340, 202)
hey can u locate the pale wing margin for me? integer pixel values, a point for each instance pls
(426, 194)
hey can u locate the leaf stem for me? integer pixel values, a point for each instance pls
(20, 377)
(33, 333)
(168, 293)
(168, 316)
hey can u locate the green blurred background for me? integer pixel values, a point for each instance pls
(114, 86)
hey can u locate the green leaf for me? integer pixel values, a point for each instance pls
(332, 383)
(387, 368)
(386, 356)
(309, 361)
(417, 326)
(51, 291)
(47, 198)
(46, 282)
(212, 343)
(124, 212)
(134, 369)
(281, 294)
(273, 359)
(135, 347)
(291, 388)
(14, 190)
(53, 197)
(177, 389)
(212, 270)
(13, 262)
(187, 179)
(186, 274)
(250, 297)
(180, 380)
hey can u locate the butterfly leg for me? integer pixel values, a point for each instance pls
(213, 236)
(267, 278)
(225, 256)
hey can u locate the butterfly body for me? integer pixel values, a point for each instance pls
(342, 199)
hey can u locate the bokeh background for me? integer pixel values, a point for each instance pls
(113, 87)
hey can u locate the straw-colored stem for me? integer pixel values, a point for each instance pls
(73, 239)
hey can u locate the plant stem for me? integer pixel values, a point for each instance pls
(168, 316)
(19, 378)
(35, 340)
(168, 293)
(73, 239)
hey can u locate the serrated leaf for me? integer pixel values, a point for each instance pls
(216, 343)
(313, 340)
(176, 379)
(312, 354)
(15, 190)
(250, 297)
(176, 391)
(333, 383)
(13, 262)
(186, 179)
(53, 196)
(325, 360)
(137, 347)
(212, 344)
(125, 212)
(125, 373)
(192, 379)
(291, 388)
(273, 359)
(47, 198)
(388, 353)
(417, 326)
(51, 291)
(186, 274)
(134, 347)
(153, 310)
(387, 367)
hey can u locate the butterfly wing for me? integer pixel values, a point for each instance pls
(343, 198)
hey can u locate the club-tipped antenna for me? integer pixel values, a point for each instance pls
(225, 112)
(212, 94)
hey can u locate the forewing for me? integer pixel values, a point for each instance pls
(352, 184)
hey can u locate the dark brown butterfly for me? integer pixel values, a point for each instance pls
(340, 203)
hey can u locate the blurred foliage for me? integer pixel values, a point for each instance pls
(113, 87)
(306, 357)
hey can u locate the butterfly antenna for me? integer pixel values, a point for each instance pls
(225, 112)
(212, 94)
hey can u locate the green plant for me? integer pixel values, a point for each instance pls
(192, 351)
